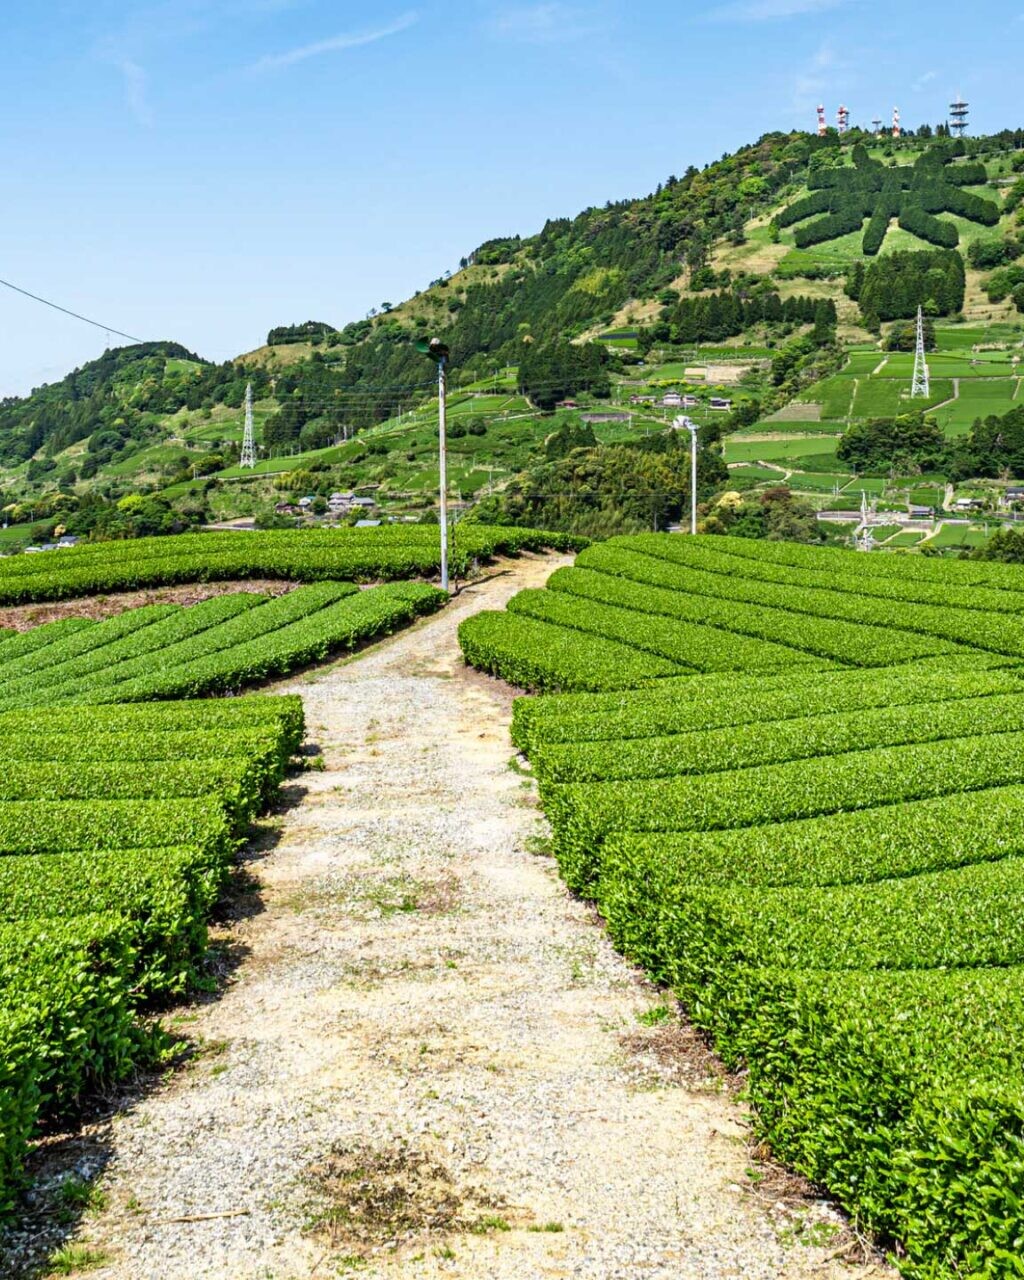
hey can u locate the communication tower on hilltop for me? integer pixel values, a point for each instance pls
(958, 113)
(843, 119)
(248, 458)
(921, 382)
(897, 129)
(877, 126)
(822, 126)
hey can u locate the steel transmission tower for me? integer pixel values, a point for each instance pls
(248, 458)
(920, 387)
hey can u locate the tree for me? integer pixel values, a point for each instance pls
(907, 444)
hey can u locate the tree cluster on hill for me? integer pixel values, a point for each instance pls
(568, 436)
(1007, 282)
(987, 254)
(123, 394)
(606, 490)
(893, 287)
(551, 371)
(774, 515)
(903, 337)
(907, 444)
(847, 195)
(493, 252)
(96, 518)
(804, 360)
(287, 333)
(1006, 545)
(577, 272)
(993, 448)
(717, 316)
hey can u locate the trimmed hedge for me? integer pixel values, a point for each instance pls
(695, 708)
(537, 655)
(583, 814)
(219, 646)
(73, 978)
(285, 712)
(827, 867)
(334, 628)
(303, 555)
(103, 900)
(823, 636)
(806, 737)
(167, 895)
(841, 848)
(684, 643)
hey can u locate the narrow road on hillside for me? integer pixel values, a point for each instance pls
(430, 1062)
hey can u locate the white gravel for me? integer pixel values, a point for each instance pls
(422, 988)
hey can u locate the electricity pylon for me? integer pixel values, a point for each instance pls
(248, 458)
(920, 387)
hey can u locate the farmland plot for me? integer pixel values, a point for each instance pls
(820, 853)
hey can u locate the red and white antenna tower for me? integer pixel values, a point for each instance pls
(897, 130)
(822, 126)
(843, 119)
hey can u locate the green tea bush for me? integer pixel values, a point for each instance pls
(305, 555)
(536, 655)
(804, 737)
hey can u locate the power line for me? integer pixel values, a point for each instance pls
(74, 314)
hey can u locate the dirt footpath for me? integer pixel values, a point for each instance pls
(429, 1061)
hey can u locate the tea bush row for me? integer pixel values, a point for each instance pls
(117, 828)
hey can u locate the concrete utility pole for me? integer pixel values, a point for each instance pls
(440, 354)
(691, 426)
(442, 436)
(920, 388)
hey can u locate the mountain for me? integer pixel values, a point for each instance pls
(755, 277)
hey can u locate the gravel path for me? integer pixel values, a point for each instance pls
(430, 1061)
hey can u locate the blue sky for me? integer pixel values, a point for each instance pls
(204, 169)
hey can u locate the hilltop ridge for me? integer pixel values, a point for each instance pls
(708, 284)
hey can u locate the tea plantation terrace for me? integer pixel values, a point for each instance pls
(795, 790)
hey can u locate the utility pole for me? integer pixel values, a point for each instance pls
(920, 387)
(440, 354)
(691, 426)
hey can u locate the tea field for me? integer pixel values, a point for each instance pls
(117, 829)
(359, 555)
(792, 780)
(129, 786)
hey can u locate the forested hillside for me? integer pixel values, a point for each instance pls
(776, 281)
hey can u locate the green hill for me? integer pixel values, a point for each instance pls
(753, 281)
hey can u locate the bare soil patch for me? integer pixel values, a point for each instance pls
(24, 617)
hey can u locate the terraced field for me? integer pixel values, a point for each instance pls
(117, 829)
(122, 805)
(360, 555)
(791, 779)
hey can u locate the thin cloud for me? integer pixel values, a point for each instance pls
(135, 85)
(924, 80)
(770, 10)
(334, 44)
(550, 23)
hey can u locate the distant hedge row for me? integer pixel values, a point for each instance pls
(360, 555)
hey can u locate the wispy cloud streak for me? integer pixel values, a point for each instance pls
(549, 23)
(334, 44)
(135, 82)
(770, 10)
